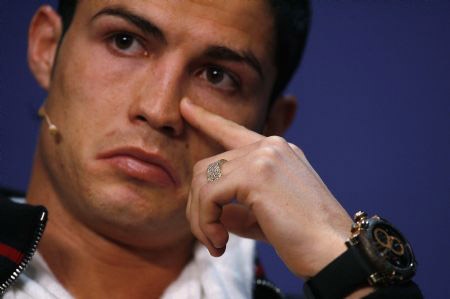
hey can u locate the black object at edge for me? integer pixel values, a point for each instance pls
(21, 228)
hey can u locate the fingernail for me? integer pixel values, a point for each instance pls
(217, 245)
(187, 100)
(219, 252)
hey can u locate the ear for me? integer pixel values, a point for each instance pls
(280, 116)
(43, 38)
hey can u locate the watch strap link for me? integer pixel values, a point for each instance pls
(345, 274)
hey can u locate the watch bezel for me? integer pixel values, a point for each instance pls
(386, 272)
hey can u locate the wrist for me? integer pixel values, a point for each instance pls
(323, 253)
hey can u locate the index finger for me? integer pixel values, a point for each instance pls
(228, 133)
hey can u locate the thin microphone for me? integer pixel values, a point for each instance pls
(51, 127)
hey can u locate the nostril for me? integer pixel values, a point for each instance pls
(165, 126)
(168, 130)
(141, 118)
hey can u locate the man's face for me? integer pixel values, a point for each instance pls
(121, 72)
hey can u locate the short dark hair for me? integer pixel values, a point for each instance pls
(292, 22)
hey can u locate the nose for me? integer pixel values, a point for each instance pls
(157, 102)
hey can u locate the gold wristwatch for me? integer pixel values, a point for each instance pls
(377, 255)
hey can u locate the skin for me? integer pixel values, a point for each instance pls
(107, 229)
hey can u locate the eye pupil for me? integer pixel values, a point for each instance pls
(124, 41)
(214, 75)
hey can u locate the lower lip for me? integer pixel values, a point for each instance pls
(141, 170)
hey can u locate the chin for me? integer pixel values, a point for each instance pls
(130, 213)
(129, 201)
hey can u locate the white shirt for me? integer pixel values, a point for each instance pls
(227, 277)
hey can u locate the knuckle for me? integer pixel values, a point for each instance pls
(276, 141)
(269, 152)
(293, 146)
(297, 150)
(264, 166)
(274, 146)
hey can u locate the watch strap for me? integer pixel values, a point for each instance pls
(407, 290)
(347, 273)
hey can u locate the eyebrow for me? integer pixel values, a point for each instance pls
(224, 53)
(133, 19)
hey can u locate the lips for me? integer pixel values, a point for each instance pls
(144, 166)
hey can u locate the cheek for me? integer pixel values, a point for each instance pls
(94, 78)
(92, 88)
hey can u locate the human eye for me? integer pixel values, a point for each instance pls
(220, 78)
(126, 44)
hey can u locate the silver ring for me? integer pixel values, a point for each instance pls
(214, 170)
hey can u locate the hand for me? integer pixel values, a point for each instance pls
(268, 191)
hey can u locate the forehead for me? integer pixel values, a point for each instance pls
(234, 13)
(241, 24)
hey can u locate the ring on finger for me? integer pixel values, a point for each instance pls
(214, 170)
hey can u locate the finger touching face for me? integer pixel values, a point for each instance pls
(228, 133)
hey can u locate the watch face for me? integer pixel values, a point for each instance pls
(392, 246)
